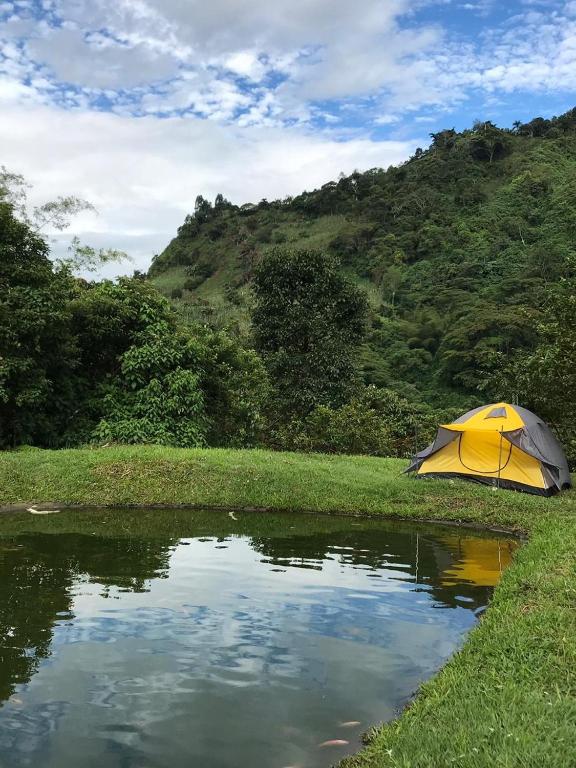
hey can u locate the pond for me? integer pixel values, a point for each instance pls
(172, 639)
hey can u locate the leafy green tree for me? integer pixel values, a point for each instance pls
(109, 317)
(236, 390)
(158, 396)
(202, 210)
(488, 142)
(38, 352)
(184, 388)
(308, 322)
(544, 379)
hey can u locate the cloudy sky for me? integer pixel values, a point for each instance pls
(140, 105)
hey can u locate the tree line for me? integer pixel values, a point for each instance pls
(87, 361)
(461, 251)
(430, 288)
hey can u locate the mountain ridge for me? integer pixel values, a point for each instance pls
(455, 249)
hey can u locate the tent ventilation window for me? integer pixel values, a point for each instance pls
(497, 413)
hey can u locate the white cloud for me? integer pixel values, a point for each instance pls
(536, 53)
(253, 68)
(165, 56)
(386, 119)
(143, 174)
(325, 49)
(72, 58)
(247, 64)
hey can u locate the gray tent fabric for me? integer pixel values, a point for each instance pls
(497, 413)
(443, 438)
(535, 438)
(538, 440)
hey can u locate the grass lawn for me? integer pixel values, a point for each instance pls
(508, 698)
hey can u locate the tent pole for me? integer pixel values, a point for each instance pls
(500, 460)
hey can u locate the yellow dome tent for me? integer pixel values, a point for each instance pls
(502, 445)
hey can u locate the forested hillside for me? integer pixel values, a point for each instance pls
(455, 250)
(351, 319)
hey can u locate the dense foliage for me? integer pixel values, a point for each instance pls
(459, 251)
(377, 306)
(38, 350)
(308, 320)
(376, 422)
(178, 388)
(545, 377)
(108, 361)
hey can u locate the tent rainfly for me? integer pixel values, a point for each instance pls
(502, 445)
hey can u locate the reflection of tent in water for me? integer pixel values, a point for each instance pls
(465, 566)
(501, 445)
(479, 561)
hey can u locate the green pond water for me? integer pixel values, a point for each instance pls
(174, 639)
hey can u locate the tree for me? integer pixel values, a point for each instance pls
(38, 351)
(185, 388)
(488, 142)
(444, 139)
(236, 389)
(308, 321)
(202, 210)
(108, 319)
(221, 203)
(545, 379)
(157, 398)
(56, 214)
(85, 258)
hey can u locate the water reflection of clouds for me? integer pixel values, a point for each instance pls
(201, 569)
(254, 642)
(228, 638)
(246, 646)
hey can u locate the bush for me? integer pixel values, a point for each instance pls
(264, 233)
(184, 388)
(352, 429)
(192, 283)
(377, 422)
(176, 293)
(231, 293)
(205, 270)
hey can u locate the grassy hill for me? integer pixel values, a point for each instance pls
(455, 248)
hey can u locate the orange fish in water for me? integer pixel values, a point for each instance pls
(350, 724)
(334, 743)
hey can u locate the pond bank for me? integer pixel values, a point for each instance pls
(507, 699)
(41, 508)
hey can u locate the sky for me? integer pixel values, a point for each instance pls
(140, 105)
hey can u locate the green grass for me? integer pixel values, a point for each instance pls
(223, 254)
(170, 279)
(311, 233)
(507, 699)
